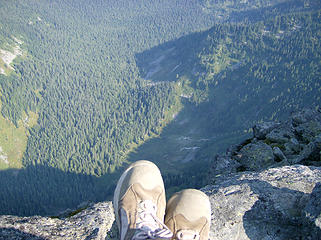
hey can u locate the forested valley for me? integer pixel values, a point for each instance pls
(101, 78)
(230, 78)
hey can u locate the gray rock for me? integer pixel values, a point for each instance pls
(256, 156)
(304, 116)
(292, 147)
(279, 154)
(260, 130)
(311, 152)
(223, 164)
(232, 149)
(308, 131)
(279, 203)
(280, 135)
(95, 222)
(312, 209)
(267, 205)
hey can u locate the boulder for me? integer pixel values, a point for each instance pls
(308, 131)
(95, 222)
(312, 210)
(304, 116)
(280, 135)
(260, 130)
(232, 149)
(223, 164)
(310, 153)
(278, 203)
(279, 154)
(255, 156)
(292, 147)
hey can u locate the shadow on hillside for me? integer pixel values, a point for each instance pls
(187, 143)
(41, 190)
(11, 233)
(279, 213)
(182, 46)
(191, 130)
(168, 60)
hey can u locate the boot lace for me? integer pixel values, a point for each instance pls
(187, 235)
(148, 225)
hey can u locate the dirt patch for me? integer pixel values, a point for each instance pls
(17, 40)
(8, 57)
(3, 157)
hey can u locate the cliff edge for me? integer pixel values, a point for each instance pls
(268, 187)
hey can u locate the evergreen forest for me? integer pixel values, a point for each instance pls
(89, 86)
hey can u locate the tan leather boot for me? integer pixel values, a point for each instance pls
(188, 215)
(139, 203)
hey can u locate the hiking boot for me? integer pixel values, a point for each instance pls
(139, 203)
(188, 215)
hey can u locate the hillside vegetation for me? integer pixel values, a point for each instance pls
(230, 78)
(105, 77)
(13, 140)
(79, 74)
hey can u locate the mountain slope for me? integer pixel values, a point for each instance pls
(235, 75)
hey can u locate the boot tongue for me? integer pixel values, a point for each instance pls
(146, 219)
(148, 226)
(187, 235)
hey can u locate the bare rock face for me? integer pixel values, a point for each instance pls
(313, 210)
(95, 222)
(262, 129)
(278, 203)
(296, 141)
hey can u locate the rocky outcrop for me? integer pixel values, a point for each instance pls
(94, 222)
(312, 209)
(260, 189)
(275, 144)
(278, 203)
(256, 156)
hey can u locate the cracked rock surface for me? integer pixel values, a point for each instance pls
(278, 203)
(95, 222)
(273, 204)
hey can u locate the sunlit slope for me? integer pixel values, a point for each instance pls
(13, 140)
(13, 137)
